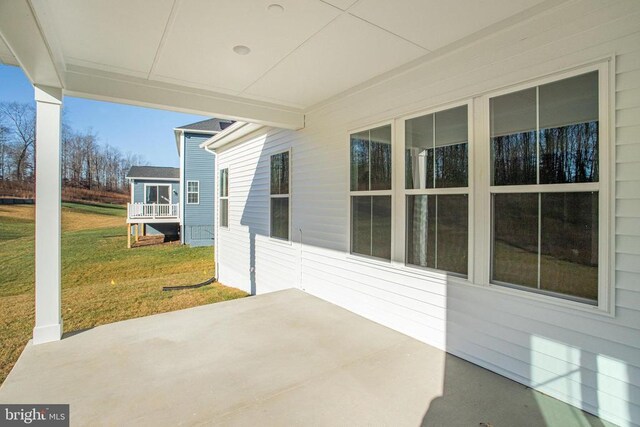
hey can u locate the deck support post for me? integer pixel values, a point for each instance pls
(129, 235)
(137, 232)
(48, 325)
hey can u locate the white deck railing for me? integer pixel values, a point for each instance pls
(152, 210)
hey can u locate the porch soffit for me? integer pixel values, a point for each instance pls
(178, 54)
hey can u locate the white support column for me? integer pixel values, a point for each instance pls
(48, 195)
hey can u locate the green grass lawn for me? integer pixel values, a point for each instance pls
(102, 280)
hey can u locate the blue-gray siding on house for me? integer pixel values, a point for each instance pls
(199, 166)
(138, 190)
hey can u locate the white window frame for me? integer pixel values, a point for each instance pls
(197, 193)
(280, 196)
(606, 140)
(148, 184)
(221, 197)
(394, 185)
(480, 192)
(468, 190)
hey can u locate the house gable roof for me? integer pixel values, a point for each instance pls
(209, 125)
(154, 172)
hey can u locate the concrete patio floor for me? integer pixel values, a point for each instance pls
(280, 359)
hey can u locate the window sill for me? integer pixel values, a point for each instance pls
(434, 273)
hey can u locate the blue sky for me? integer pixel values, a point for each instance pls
(144, 131)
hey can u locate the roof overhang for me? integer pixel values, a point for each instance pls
(105, 86)
(148, 178)
(231, 134)
(197, 131)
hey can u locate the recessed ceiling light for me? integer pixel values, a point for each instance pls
(241, 50)
(275, 8)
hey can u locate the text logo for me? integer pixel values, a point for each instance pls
(34, 415)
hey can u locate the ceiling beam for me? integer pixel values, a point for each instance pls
(22, 34)
(105, 86)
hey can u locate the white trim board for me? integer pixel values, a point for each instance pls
(142, 178)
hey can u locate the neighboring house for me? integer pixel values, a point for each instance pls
(197, 181)
(179, 201)
(155, 200)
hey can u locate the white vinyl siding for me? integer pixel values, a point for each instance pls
(249, 257)
(582, 356)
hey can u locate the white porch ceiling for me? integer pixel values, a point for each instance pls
(311, 52)
(121, 36)
(6, 57)
(345, 53)
(203, 27)
(433, 24)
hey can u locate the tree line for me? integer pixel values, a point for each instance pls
(85, 162)
(567, 154)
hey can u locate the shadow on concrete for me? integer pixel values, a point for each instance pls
(74, 333)
(474, 396)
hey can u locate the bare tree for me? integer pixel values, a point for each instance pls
(22, 119)
(84, 161)
(4, 152)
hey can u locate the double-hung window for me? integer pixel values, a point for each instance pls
(279, 195)
(436, 190)
(545, 190)
(193, 192)
(537, 202)
(371, 192)
(224, 198)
